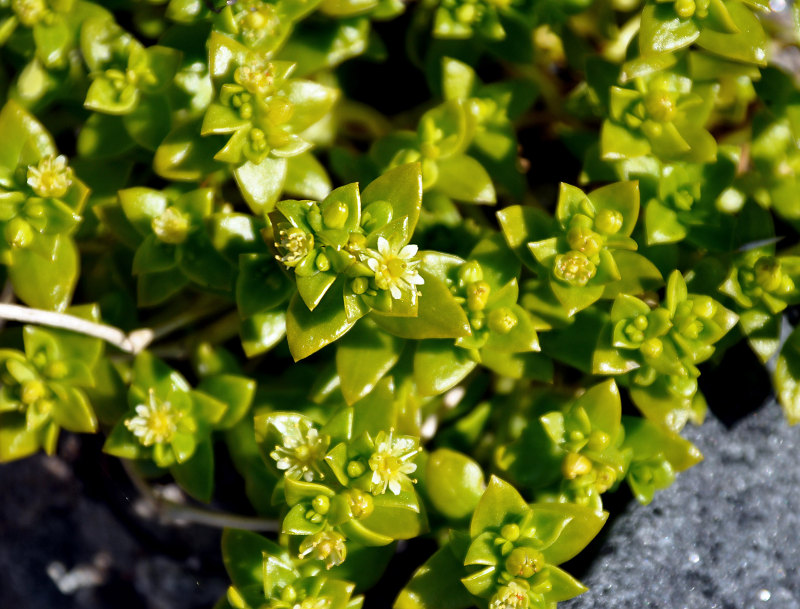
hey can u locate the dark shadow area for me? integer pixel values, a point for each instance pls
(736, 386)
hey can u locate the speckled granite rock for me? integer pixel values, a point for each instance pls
(726, 535)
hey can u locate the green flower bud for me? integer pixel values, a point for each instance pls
(598, 440)
(470, 272)
(359, 285)
(322, 262)
(524, 562)
(32, 391)
(18, 233)
(510, 532)
(685, 8)
(606, 477)
(608, 221)
(634, 334)
(640, 323)
(477, 295)
(575, 465)
(280, 111)
(29, 12)
(335, 214)
(584, 240)
(652, 348)
(35, 209)
(768, 274)
(355, 469)
(574, 268)
(502, 320)
(56, 370)
(476, 320)
(289, 594)
(321, 504)
(356, 242)
(171, 226)
(660, 105)
(466, 14)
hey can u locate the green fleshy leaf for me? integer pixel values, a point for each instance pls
(243, 554)
(309, 331)
(262, 331)
(787, 377)
(235, 391)
(16, 442)
(439, 365)
(583, 525)
(196, 476)
(26, 141)
(500, 504)
(363, 356)
(306, 178)
(401, 187)
(439, 314)
(73, 411)
(261, 285)
(46, 282)
(464, 179)
(662, 31)
(261, 184)
(454, 483)
(564, 586)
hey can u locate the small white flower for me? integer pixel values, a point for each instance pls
(328, 546)
(52, 177)
(256, 75)
(395, 271)
(155, 422)
(301, 453)
(390, 462)
(296, 245)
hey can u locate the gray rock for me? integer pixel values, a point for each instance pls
(60, 548)
(726, 535)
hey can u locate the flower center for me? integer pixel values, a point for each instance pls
(296, 243)
(574, 268)
(255, 76)
(171, 226)
(51, 177)
(154, 423)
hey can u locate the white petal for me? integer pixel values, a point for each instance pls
(408, 468)
(416, 279)
(373, 264)
(396, 293)
(383, 247)
(394, 486)
(376, 477)
(409, 251)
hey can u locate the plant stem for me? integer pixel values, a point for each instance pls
(130, 343)
(173, 512)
